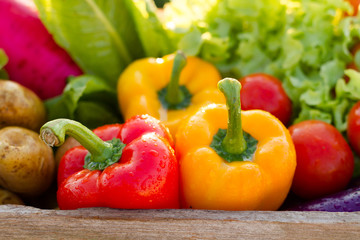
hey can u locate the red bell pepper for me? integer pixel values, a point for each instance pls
(137, 168)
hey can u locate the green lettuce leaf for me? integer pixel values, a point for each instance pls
(80, 102)
(3, 58)
(103, 36)
(318, 105)
(153, 36)
(3, 61)
(191, 43)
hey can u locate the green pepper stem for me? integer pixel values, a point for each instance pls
(234, 141)
(54, 132)
(174, 95)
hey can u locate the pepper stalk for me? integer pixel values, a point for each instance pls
(234, 141)
(174, 96)
(101, 154)
(233, 144)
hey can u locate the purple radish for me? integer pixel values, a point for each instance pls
(35, 60)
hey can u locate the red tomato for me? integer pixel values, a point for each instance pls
(262, 91)
(355, 5)
(325, 162)
(353, 128)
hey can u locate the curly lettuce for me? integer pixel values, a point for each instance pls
(304, 43)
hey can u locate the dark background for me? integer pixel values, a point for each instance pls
(160, 3)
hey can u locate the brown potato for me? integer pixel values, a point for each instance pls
(7, 197)
(19, 106)
(27, 164)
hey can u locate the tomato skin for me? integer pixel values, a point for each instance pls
(325, 162)
(353, 127)
(265, 92)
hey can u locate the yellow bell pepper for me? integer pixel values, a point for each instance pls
(232, 159)
(169, 88)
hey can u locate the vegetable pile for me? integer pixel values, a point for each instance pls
(217, 104)
(303, 43)
(27, 165)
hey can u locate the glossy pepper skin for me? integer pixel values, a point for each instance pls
(144, 176)
(208, 181)
(139, 85)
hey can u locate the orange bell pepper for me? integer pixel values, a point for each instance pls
(169, 88)
(232, 159)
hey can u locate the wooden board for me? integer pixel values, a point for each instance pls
(21, 222)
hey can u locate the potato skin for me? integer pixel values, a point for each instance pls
(7, 197)
(27, 164)
(19, 106)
